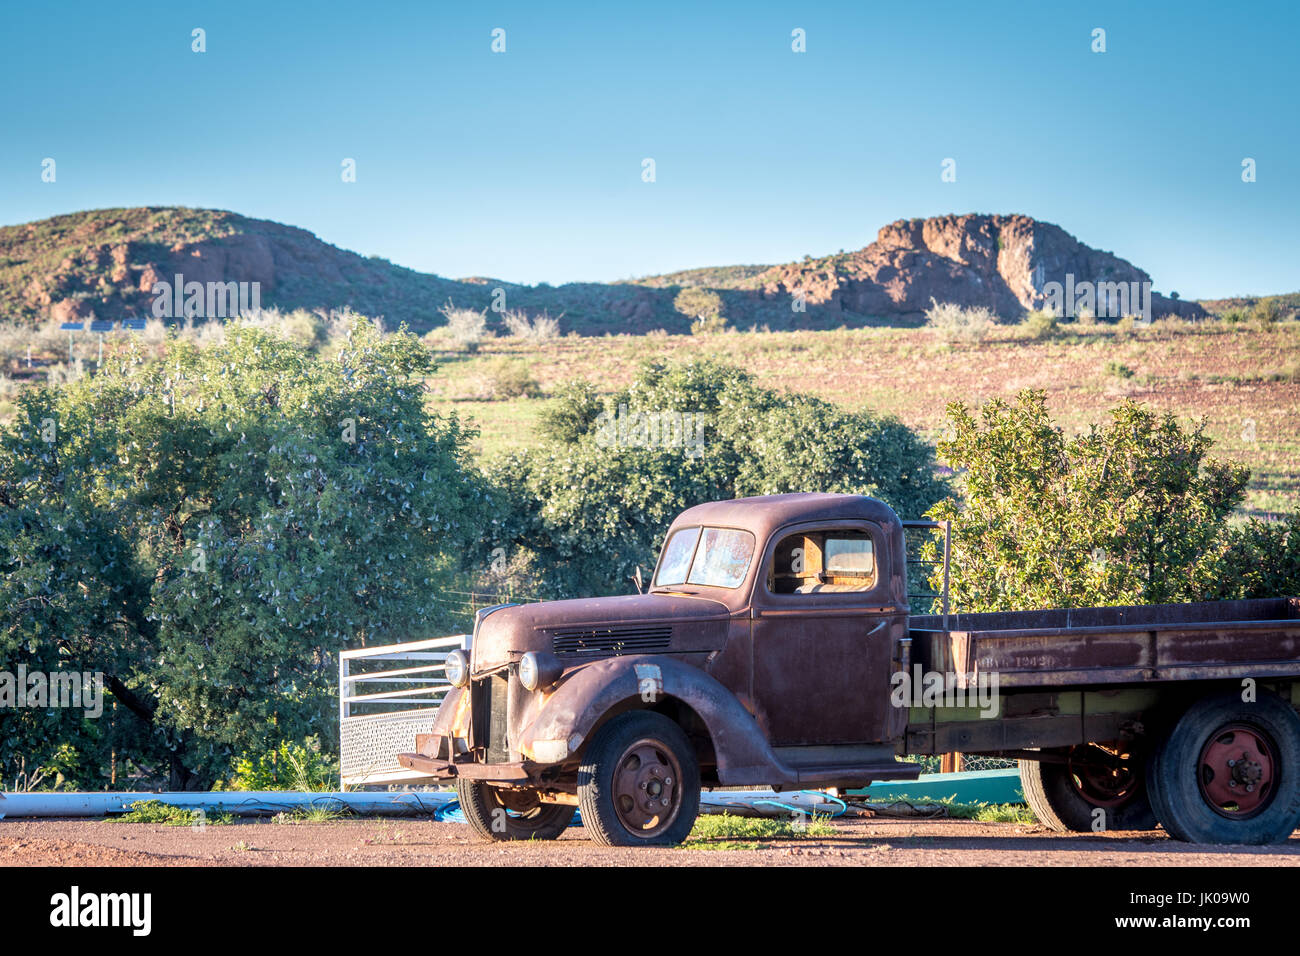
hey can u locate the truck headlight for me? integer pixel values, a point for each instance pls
(537, 669)
(456, 667)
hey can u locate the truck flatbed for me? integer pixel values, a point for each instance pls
(1097, 646)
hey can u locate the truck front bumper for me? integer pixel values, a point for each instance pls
(469, 769)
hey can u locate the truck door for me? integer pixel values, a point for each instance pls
(824, 633)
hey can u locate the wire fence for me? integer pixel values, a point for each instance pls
(965, 763)
(461, 606)
(926, 553)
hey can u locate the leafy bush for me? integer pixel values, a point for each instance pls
(592, 504)
(239, 515)
(508, 378)
(957, 324)
(571, 414)
(1254, 559)
(289, 766)
(1039, 324)
(1123, 514)
(1117, 369)
(1267, 313)
(697, 304)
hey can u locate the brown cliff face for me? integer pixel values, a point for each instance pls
(1002, 262)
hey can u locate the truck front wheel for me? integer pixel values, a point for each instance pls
(1229, 772)
(498, 814)
(639, 783)
(1093, 788)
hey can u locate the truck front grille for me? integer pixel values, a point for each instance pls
(628, 639)
(489, 701)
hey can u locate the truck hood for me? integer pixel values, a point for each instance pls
(589, 628)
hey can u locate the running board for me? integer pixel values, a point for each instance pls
(851, 775)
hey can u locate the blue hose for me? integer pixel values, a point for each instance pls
(452, 813)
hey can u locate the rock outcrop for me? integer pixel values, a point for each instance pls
(1003, 262)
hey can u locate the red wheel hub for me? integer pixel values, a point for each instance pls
(647, 787)
(1237, 770)
(1103, 777)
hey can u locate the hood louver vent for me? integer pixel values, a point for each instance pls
(629, 639)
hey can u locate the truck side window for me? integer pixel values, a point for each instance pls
(823, 562)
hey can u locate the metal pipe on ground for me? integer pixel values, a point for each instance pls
(239, 803)
(986, 786)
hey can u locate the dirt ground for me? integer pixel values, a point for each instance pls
(420, 842)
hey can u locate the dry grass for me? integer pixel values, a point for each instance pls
(1245, 382)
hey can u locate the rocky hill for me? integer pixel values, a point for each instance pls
(106, 263)
(1002, 262)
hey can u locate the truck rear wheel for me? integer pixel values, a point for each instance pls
(1229, 772)
(498, 814)
(639, 783)
(1095, 788)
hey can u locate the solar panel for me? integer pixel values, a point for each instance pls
(101, 326)
(134, 325)
(71, 326)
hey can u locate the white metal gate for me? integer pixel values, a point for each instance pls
(373, 681)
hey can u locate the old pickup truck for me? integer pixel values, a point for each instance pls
(774, 647)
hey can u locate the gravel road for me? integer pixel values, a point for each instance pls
(421, 842)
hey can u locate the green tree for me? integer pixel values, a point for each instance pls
(593, 503)
(696, 303)
(209, 528)
(1255, 559)
(1126, 513)
(571, 413)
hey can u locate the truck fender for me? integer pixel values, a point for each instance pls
(450, 722)
(585, 696)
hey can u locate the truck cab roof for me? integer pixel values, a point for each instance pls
(766, 514)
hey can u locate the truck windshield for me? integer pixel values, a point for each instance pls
(712, 557)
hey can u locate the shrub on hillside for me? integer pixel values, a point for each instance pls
(697, 304)
(954, 323)
(465, 328)
(1039, 324)
(1267, 313)
(510, 378)
(541, 328)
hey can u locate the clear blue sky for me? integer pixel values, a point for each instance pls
(527, 165)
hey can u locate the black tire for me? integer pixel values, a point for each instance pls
(633, 753)
(1190, 772)
(495, 814)
(1063, 798)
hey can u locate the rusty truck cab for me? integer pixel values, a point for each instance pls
(761, 655)
(815, 623)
